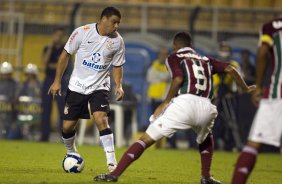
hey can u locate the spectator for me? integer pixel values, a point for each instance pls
(8, 88)
(158, 78)
(50, 56)
(31, 86)
(247, 69)
(226, 129)
(28, 104)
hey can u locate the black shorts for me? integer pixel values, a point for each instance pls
(76, 104)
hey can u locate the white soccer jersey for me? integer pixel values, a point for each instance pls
(94, 56)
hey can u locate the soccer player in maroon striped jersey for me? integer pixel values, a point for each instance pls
(267, 126)
(186, 106)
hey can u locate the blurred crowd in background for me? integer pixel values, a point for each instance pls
(28, 112)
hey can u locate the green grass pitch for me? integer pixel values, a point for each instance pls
(40, 163)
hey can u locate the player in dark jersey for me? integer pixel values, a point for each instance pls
(267, 126)
(186, 106)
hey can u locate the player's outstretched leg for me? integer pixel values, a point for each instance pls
(132, 154)
(68, 136)
(206, 152)
(245, 163)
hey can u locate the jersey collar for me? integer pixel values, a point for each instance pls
(97, 28)
(186, 49)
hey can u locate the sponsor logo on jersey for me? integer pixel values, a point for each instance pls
(95, 63)
(86, 28)
(90, 42)
(73, 37)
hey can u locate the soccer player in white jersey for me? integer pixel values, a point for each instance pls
(97, 46)
(267, 125)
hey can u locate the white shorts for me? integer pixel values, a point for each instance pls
(267, 125)
(185, 112)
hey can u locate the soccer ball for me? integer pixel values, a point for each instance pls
(73, 163)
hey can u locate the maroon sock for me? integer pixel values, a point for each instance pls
(132, 154)
(245, 165)
(206, 151)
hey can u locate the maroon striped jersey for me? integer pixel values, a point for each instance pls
(196, 71)
(271, 34)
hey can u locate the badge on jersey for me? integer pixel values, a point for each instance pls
(110, 45)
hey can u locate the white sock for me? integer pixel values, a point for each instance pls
(107, 142)
(70, 144)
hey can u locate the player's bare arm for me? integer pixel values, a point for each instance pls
(238, 79)
(174, 87)
(55, 88)
(118, 77)
(260, 70)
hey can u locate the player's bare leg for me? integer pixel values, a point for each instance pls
(132, 154)
(106, 138)
(246, 162)
(68, 135)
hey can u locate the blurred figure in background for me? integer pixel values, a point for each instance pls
(31, 86)
(8, 91)
(29, 102)
(267, 126)
(50, 56)
(158, 78)
(248, 70)
(226, 129)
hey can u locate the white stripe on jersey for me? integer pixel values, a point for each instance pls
(168, 67)
(274, 72)
(280, 77)
(198, 79)
(188, 76)
(210, 81)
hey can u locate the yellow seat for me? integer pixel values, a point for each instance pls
(241, 3)
(262, 4)
(277, 4)
(220, 2)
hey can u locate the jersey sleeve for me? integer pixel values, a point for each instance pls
(173, 66)
(218, 66)
(74, 41)
(265, 35)
(119, 58)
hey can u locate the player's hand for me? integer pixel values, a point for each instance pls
(160, 109)
(251, 88)
(119, 93)
(55, 89)
(256, 96)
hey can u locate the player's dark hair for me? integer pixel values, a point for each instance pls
(183, 39)
(110, 11)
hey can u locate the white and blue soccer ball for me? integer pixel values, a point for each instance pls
(73, 163)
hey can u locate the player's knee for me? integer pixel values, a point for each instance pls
(254, 145)
(147, 139)
(101, 119)
(68, 127)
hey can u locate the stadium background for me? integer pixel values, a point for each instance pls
(26, 26)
